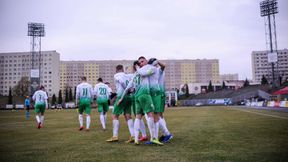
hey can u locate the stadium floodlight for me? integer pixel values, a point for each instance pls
(269, 8)
(35, 31)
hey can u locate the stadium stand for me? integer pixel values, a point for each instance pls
(233, 96)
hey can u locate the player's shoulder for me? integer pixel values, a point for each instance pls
(38, 91)
(100, 85)
(87, 84)
(83, 83)
(79, 85)
(118, 76)
(129, 75)
(148, 66)
(106, 86)
(41, 92)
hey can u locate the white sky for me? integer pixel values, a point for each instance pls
(228, 30)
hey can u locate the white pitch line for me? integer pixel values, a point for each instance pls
(274, 116)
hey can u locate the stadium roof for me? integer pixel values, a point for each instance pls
(281, 91)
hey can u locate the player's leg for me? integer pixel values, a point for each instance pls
(149, 110)
(167, 135)
(148, 107)
(88, 112)
(27, 111)
(116, 126)
(127, 105)
(117, 110)
(162, 123)
(143, 131)
(106, 109)
(130, 125)
(137, 128)
(37, 111)
(156, 121)
(138, 112)
(80, 111)
(151, 125)
(102, 115)
(42, 111)
(157, 108)
(142, 125)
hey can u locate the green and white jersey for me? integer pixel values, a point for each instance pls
(134, 83)
(102, 92)
(144, 83)
(84, 91)
(161, 80)
(130, 77)
(40, 97)
(121, 81)
(154, 81)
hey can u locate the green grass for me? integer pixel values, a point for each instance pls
(200, 134)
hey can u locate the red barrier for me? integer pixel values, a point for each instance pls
(277, 104)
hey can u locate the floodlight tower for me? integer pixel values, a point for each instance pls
(268, 10)
(35, 31)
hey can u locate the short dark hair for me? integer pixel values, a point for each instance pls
(151, 60)
(136, 63)
(119, 67)
(83, 78)
(41, 87)
(107, 83)
(141, 57)
(100, 80)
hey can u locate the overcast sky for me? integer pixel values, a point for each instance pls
(228, 30)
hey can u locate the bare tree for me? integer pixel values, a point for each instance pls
(22, 88)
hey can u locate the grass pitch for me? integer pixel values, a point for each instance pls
(200, 134)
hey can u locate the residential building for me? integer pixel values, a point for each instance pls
(261, 66)
(15, 65)
(58, 75)
(225, 77)
(177, 72)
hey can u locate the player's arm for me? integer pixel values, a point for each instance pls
(146, 70)
(91, 93)
(162, 66)
(95, 91)
(46, 100)
(77, 95)
(46, 103)
(34, 96)
(109, 91)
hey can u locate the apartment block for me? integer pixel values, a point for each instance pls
(224, 77)
(15, 65)
(261, 66)
(177, 72)
(58, 75)
(191, 71)
(71, 72)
